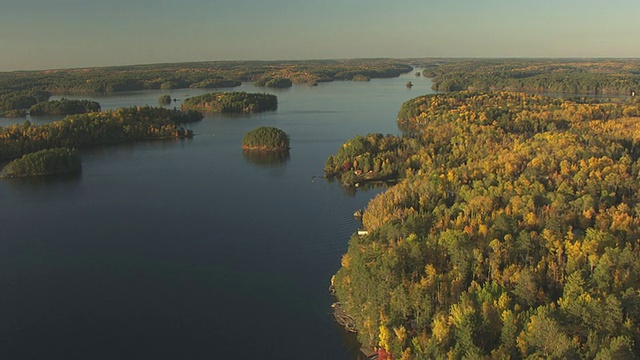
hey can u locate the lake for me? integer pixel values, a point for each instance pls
(191, 249)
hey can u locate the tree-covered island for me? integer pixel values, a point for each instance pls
(276, 83)
(164, 100)
(514, 232)
(43, 162)
(232, 102)
(266, 139)
(64, 107)
(107, 127)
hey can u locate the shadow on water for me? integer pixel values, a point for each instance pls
(44, 180)
(267, 159)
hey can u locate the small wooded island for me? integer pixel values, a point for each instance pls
(232, 102)
(164, 100)
(266, 139)
(43, 162)
(64, 107)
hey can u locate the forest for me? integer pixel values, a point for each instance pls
(513, 231)
(107, 127)
(594, 77)
(43, 162)
(232, 102)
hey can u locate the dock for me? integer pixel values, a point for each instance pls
(343, 318)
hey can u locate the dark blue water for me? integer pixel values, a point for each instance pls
(190, 249)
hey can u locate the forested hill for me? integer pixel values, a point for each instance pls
(573, 76)
(514, 232)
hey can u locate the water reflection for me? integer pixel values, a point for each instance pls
(267, 159)
(31, 182)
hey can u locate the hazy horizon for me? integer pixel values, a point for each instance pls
(62, 34)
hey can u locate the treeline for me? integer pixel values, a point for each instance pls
(232, 102)
(121, 125)
(43, 162)
(64, 107)
(513, 234)
(14, 86)
(21, 99)
(605, 77)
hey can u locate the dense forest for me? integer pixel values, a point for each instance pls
(596, 77)
(266, 138)
(513, 232)
(121, 125)
(232, 102)
(64, 107)
(43, 162)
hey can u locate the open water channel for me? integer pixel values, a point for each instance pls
(190, 249)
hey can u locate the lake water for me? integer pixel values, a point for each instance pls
(190, 249)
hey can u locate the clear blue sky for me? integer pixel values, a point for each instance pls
(51, 34)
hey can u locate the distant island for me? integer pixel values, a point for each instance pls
(231, 102)
(108, 127)
(64, 107)
(276, 83)
(43, 162)
(37, 86)
(266, 139)
(164, 100)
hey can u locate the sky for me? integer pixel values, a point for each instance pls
(55, 34)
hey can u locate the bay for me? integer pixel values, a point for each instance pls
(191, 248)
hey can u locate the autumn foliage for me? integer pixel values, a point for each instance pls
(513, 233)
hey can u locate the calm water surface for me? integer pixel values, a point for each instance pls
(190, 249)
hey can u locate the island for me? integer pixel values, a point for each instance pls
(43, 162)
(64, 107)
(266, 139)
(106, 127)
(276, 83)
(231, 102)
(37, 86)
(164, 100)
